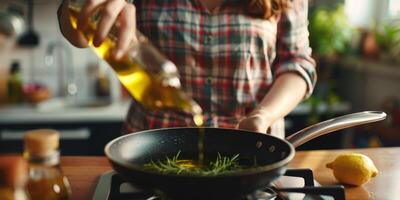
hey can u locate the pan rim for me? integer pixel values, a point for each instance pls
(247, 171)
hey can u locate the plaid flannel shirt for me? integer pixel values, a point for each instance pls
(227, 60)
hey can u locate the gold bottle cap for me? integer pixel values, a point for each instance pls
(13, 171)
(41, 141)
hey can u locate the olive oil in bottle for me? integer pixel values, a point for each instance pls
(148, 76)
(46, 180)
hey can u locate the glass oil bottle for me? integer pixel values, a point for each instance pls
(14, 84)
(148, 76)
(46, 180)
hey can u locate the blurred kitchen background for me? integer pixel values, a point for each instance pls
(47, 83)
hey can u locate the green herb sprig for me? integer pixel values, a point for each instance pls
(221, 165)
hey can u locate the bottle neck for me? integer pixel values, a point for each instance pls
(51, 158)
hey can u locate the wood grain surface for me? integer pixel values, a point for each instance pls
(83, 172)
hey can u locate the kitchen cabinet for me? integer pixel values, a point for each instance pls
(84, 130)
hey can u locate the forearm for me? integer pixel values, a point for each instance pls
(287, 91)
(73, 36)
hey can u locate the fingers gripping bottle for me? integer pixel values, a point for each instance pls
(150, 78)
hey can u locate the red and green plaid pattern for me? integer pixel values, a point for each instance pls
(227, 61)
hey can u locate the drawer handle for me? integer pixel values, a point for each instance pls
(66, 134)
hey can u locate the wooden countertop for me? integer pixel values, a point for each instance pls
(83, 172)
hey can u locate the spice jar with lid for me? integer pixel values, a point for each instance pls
(46, 180)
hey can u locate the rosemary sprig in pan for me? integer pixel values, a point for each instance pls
(174, 165)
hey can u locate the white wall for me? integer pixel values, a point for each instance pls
(367, 13)
(32, 59)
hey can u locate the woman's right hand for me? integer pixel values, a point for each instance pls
(111, 11)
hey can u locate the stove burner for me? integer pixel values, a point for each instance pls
(112, 187)
(266, 194)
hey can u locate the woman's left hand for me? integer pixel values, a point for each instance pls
(255, 122)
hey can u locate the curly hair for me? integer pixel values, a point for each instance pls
(265, 9)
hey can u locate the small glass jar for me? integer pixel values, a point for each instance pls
(45, 178)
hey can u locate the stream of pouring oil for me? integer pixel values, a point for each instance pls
(144, 87)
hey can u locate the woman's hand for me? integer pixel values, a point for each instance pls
(111, 11)
(255, 122)
(284, 95)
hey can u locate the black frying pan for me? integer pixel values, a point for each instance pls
(128, 153)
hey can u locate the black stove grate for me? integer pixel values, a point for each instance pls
(112, 187)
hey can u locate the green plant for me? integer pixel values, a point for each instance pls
(175, 165)
(387, 36)
(330, 32)
(330, 36)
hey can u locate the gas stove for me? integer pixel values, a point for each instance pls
(295, 184)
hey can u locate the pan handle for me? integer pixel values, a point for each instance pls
(334, 124)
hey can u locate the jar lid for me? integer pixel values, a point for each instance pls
(13, 171)
(41, 141)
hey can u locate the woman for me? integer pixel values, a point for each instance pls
(246, 62)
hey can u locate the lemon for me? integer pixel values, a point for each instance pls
(353, 168)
